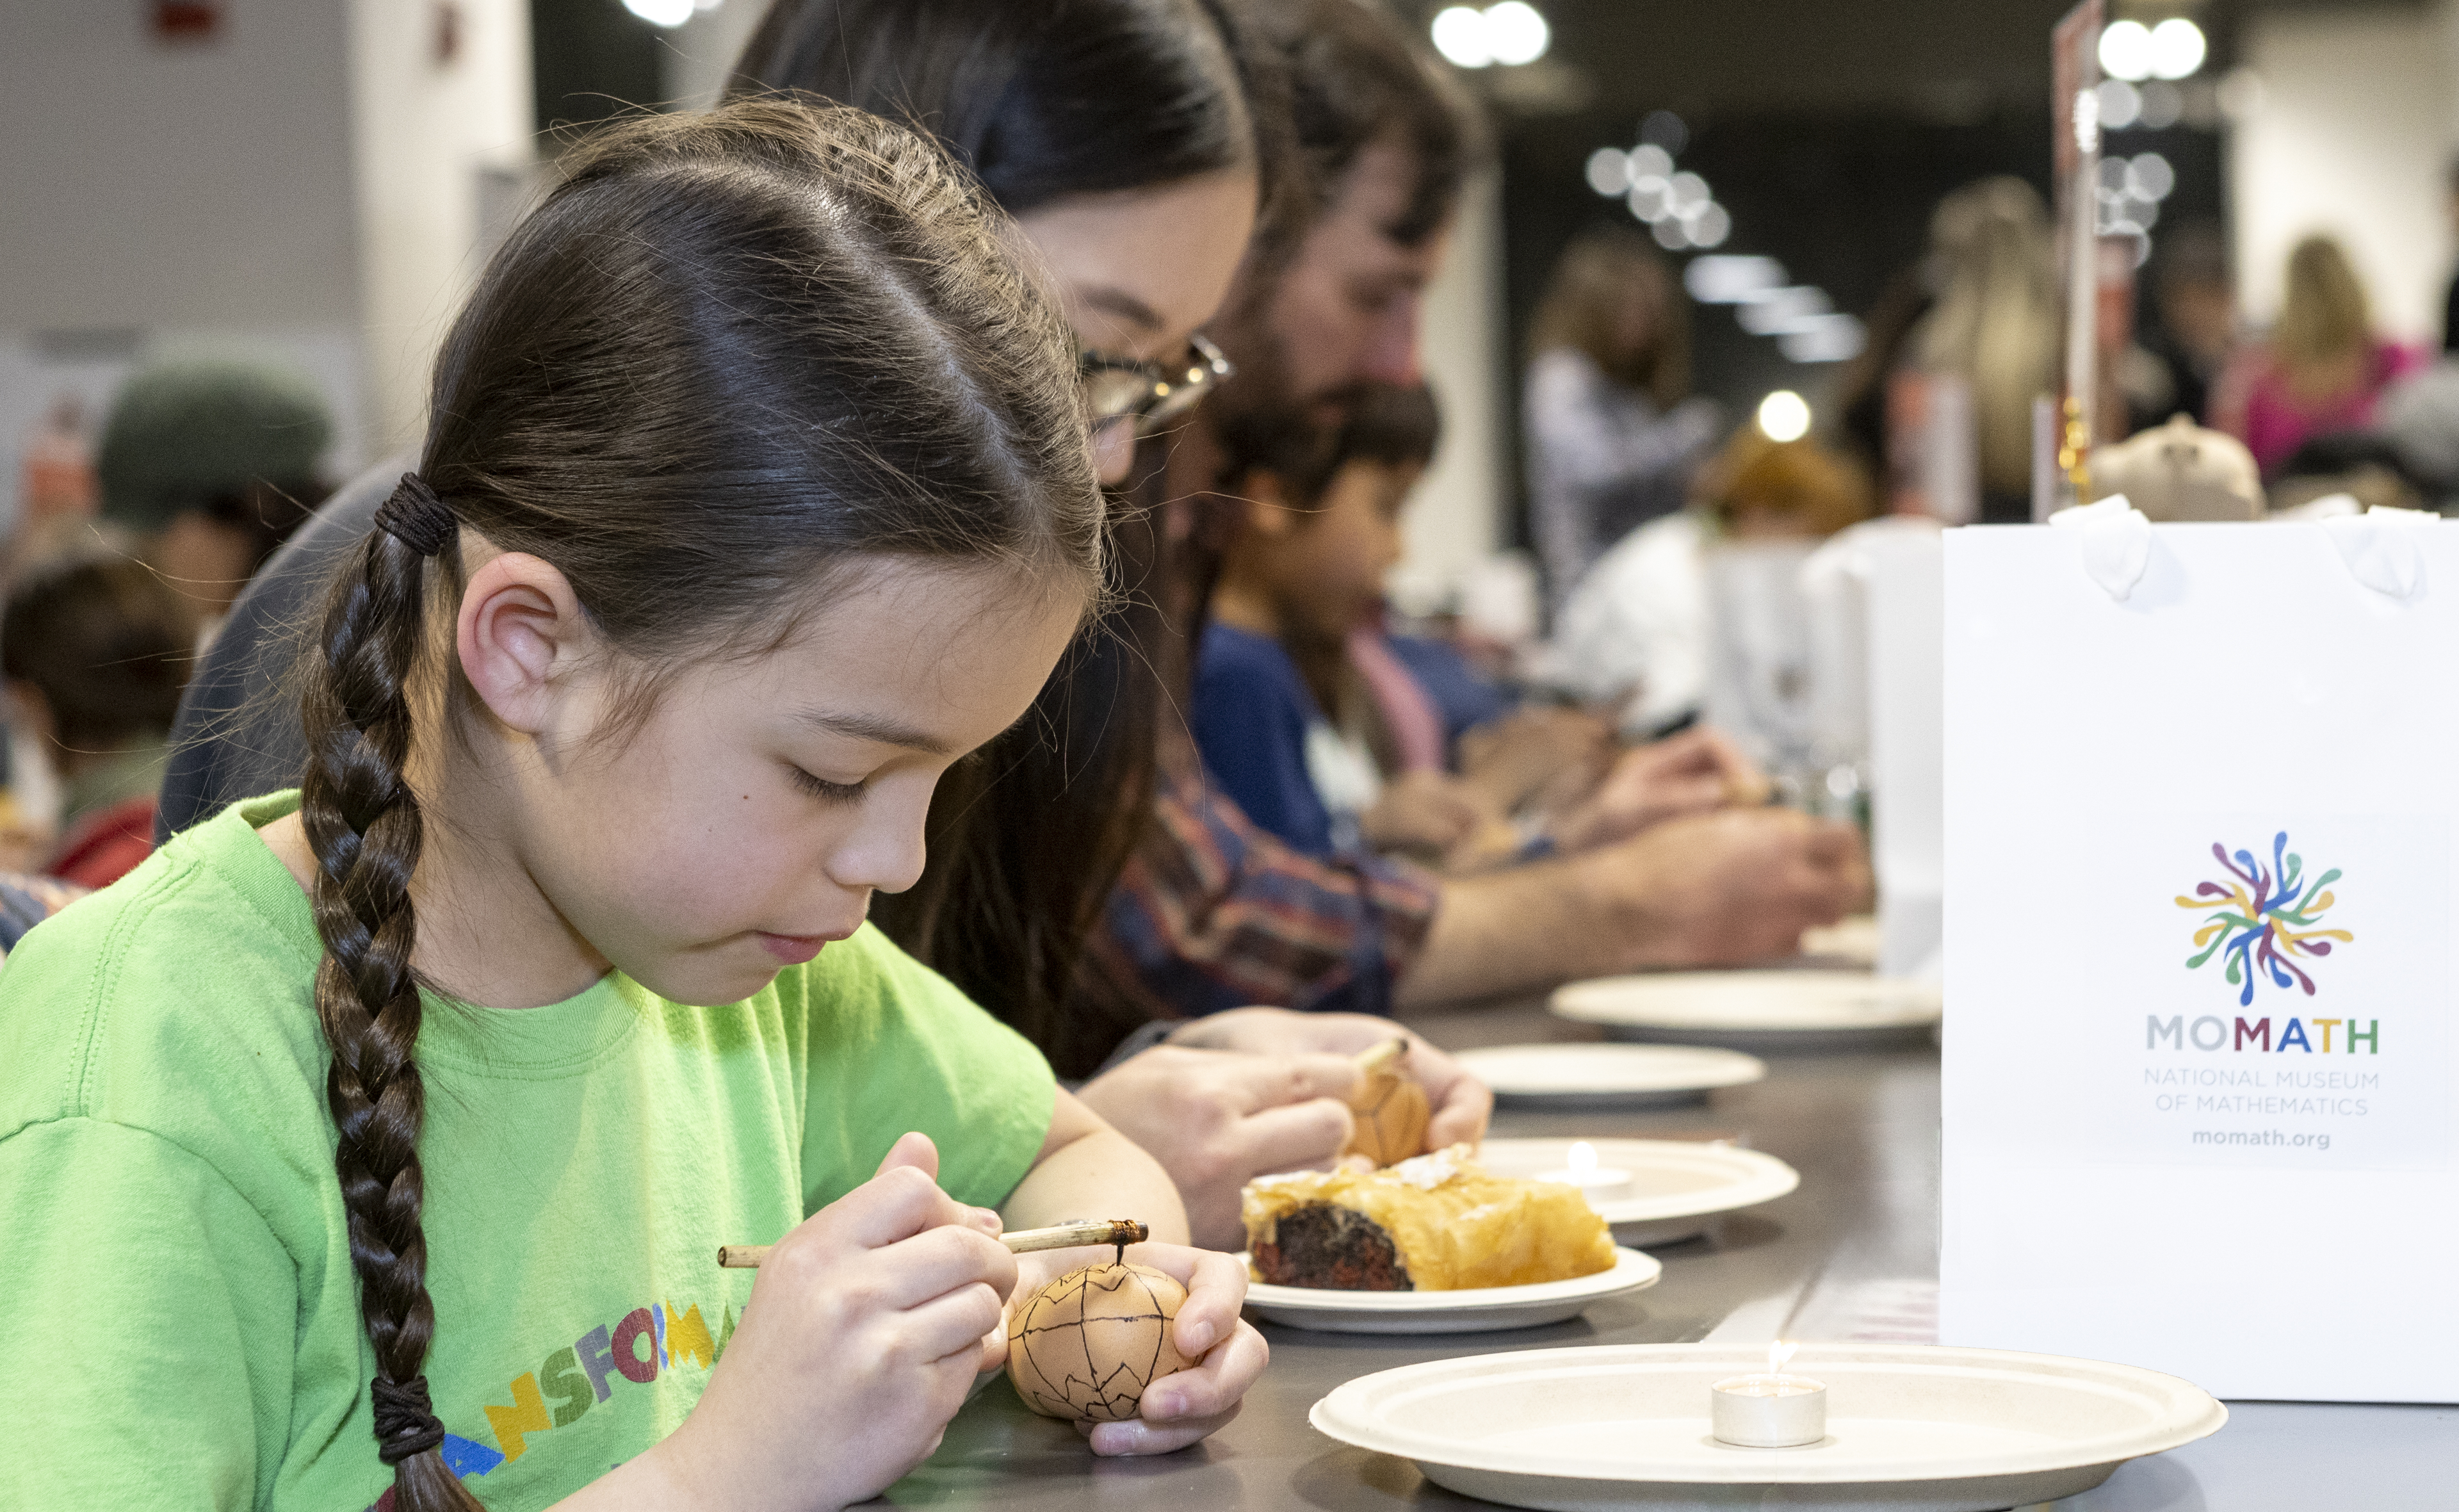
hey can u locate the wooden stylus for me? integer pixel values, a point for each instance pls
(1024, 1241)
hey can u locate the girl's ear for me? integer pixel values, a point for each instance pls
(520, 628)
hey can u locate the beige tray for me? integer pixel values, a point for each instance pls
(1678, 1187)
(1475, 1310)
(1754, 1009)
(1911, 1428)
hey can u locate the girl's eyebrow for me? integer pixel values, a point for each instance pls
(876, 727)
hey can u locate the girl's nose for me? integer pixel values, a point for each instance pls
(885, 851)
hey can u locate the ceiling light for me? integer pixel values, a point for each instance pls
(2125, 51)
(1784, 416)
(1610, 171)
(1729, 279)
(1459, 33)
(2176, 48)
(1516, 34)
(1835, 337)
(1710, 227)
(2149, 176)
(669, 13)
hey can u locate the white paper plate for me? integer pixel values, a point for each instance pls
(1606, 1075)
(1678, 1187)
(1909, 1426)
(1477, 1311)
(1773, 1009)
(1854, 939)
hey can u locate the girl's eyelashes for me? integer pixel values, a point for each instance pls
(825, 790)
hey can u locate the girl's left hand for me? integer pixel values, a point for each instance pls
(1228, 1354)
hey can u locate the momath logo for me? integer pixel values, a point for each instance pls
(2259, 923)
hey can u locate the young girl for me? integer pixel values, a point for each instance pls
(374, 1140)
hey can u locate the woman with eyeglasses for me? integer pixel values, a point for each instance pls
(1119, 134)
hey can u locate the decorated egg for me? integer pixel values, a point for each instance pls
(1086, 1345)
(1391, 1114)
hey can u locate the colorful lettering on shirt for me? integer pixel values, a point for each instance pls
(579, 1375)
(527, 1414)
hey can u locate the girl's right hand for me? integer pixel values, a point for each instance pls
(864, 1332)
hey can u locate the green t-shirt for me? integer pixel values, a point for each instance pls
(172, 1242)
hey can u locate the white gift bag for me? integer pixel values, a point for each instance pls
(2198, 1076)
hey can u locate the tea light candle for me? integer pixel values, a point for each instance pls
(1582, 1170)
(1770, 1409)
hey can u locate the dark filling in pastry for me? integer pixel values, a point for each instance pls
(1337, 1249)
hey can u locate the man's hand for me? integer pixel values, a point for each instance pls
(1258, 1090)
(1733, 887)
(1696, 771)
(1425, 811)
(1548, 756)
(1460, 1101)
(1214, 1120)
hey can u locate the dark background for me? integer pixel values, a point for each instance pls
(1828, 128)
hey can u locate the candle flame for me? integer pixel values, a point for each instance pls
(1779, 1353)
(1582, 1161)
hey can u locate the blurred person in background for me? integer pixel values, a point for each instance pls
(2320, 370)
(93, 652)
(2450, 300)
(1994, 327)
(211, 465)
(2195, 329)
(1636, 629)
(1613, 430)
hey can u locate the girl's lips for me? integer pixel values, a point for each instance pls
(794, 949)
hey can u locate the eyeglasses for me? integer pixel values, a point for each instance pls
(1118, 389)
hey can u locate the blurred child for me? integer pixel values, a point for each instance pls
(1284, 720)
(1636, 630)
(210, 464)
(1320, 727)
(94, 653)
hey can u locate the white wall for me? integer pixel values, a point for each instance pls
(305, 187)
(170, 200)
(423, 136)
(699, 52)
(2352, 136)
(1456, 518)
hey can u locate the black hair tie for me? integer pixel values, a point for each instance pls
(414, 516)
(406, 1424)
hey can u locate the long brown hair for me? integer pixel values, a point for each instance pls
(1598, 275)
(728, 357)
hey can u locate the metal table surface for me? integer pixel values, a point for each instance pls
(1863, 1130)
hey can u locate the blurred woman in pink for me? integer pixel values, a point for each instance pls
(2322, 367)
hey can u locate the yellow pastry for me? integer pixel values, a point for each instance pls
(1438, 1223)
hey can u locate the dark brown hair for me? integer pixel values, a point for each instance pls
(1356, 78)
(1043, 100)
(106, 642)
(729, 357)
(1393, 425)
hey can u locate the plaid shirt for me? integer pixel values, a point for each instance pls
(1211, 912)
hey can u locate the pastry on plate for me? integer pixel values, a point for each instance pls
(1436, 1223)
